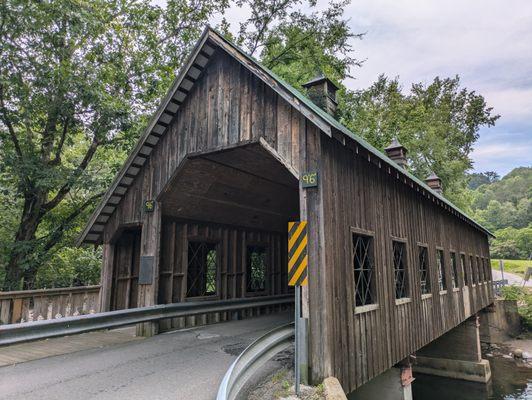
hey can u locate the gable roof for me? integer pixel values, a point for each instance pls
(158, 125)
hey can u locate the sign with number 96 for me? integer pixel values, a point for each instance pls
(309, 179)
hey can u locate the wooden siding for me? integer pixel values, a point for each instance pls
(231, 245)
(356, 193)
(230, 106)
(227, 105)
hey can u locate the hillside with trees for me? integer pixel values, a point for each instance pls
(504, 206)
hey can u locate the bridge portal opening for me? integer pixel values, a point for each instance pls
(224, 225)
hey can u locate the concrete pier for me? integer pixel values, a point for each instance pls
(455, 355)
(394, 384)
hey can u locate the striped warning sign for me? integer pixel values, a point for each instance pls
(297, 253)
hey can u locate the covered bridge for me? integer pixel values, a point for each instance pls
(200, 211)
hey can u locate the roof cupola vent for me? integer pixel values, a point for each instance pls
(434, 182)
(397, 152)
(322, 91)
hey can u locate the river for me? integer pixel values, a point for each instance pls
(509, 382)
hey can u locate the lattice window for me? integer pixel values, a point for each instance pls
(464, 269)
(480, 270)
(454, 270)
(487, 268)
(424, 274)
(256, 268)
(400, 270)
(364, 270)
(474, 272)
(202, 269)
(440, 261)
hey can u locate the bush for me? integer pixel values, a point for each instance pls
(523, 296)
(71, 266)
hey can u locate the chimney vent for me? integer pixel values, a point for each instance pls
(434, 182)
(322, 92)
(397, 152)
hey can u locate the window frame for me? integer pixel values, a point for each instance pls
(455, 282)
(406, 278)
(474, 275)
(466, 278)
(441, 270)
(265, 291)
(481, 278)
(374, 304)
(428, 280)
(216, 244)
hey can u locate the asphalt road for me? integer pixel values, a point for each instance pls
(187, 364)
(513, 279)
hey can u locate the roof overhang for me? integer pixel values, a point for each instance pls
(177, 94)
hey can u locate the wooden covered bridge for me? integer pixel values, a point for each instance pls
(200, 211)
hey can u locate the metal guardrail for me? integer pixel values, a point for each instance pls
(498, 285)
(28, 331)
(253, 358)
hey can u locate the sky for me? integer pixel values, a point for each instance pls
(488, 43)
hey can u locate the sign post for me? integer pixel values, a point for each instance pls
(297, 277)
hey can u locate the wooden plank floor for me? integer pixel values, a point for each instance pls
(20, 353)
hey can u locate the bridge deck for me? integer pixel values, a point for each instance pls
(186, 364)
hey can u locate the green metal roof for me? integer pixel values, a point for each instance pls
(341, 128)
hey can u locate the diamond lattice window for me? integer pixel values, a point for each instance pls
(424, 274)
(256, 268)
(480, 271)
(464, 269)
(474, 271)
(364, 270)
(202, 269)
(454, 270)
(440, 261)
(400, 271)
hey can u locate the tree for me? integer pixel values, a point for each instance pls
(78, 81)
(77, 78)
(477, 179)
(296, 45)
(438, 123)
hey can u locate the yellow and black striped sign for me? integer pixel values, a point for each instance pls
(297, 253)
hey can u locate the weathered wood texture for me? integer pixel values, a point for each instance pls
(227, 105)
(34, 305)
(357, 193)
(231, 244)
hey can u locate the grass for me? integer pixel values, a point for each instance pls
(517, 267)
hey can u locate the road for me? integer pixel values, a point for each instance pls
(187, 364)
(513, 279)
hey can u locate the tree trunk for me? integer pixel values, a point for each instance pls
(19, 267)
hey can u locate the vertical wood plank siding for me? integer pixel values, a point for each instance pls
(231, 245)
(229, 105)
(359, 194)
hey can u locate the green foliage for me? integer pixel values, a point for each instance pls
(78, 79)
(438, 123)
(299, 45)
(523, 296)
(517, 267)
(71, 267)
(482, 178)
(505, 207)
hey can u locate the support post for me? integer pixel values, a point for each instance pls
(150, 242)
(297, 320)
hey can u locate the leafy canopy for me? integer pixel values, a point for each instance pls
(438, 123)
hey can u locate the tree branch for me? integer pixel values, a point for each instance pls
(9, 125)
(57, 233)
(63, 191)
